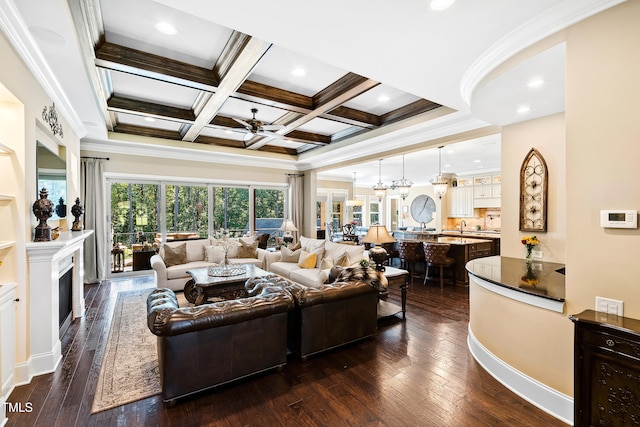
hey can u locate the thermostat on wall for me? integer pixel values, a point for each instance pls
(619, 218)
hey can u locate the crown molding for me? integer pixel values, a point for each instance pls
(553, 20)
(16, 31)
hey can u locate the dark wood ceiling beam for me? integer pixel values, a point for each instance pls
(418, 107)
(240, 57)
(134, 106)
(119, 58)
(147, 131)
(210, 140)
(308, 137)
(353, 117)
(334, 95)
(272, 96)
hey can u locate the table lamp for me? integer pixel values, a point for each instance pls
(378, 235)
(287, 226)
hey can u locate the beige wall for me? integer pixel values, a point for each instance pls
(19, 170)
(592, 154)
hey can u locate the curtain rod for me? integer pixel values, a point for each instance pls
(295, 174)
(95, 158)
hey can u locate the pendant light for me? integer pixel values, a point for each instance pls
(440, 183)
(354, 201)
(380, 189)
(403, 184)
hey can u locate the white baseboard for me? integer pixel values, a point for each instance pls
(37, 365)
(540, 395)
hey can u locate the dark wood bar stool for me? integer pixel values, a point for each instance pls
(435, 255)
(409, 253)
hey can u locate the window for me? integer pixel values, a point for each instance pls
(337, 210)
(231, 209)
(269, 212)
(374, 211)
(358, 212)
(186, 210)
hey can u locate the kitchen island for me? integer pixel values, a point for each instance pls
(463, 250)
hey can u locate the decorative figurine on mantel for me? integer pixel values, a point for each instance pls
(76, 211)
(43, 209)
(61, 208)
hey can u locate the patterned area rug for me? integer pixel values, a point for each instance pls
(129, 370)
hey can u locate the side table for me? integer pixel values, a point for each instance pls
(141, 259)
(395, 277)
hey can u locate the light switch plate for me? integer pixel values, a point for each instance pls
(610, 306)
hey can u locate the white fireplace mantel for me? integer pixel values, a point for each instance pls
(45, 262)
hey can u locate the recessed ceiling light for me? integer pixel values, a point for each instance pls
(523, 109)
(441, 4)
(451, 151)
(298, 72)
(383, 98)
(535, 83)
(149, 119)
(166, 28)
(477, 161)
(228, 132)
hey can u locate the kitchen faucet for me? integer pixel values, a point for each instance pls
(461, 224)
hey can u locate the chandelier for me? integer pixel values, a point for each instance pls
(402, 184)
(354, 201)
(380, 189)
(439, 182)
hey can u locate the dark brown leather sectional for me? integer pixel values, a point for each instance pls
(210, 345)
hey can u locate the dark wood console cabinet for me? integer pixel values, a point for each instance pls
(607, 370)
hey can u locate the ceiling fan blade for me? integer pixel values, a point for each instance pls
(272, 127)
(270, 134)
(242, 122)
(248, 136)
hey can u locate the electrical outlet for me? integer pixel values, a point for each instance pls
(609, 306)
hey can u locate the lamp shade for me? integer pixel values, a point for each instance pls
(377, 235)
(287, 225)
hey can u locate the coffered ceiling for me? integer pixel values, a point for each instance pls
(380, 78)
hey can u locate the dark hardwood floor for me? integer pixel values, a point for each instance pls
(414, 373)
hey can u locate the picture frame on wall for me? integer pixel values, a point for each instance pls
(533, 193)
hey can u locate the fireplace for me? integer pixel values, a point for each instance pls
(65, 295)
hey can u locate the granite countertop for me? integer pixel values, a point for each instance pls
(487, 234)
(461, 240)
(539, 278)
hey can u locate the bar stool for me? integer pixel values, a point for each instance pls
(435, 255)
(409, 253)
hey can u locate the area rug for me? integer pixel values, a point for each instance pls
(129, 370)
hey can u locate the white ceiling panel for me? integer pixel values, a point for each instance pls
(152, 90)
(381, 100)
(131, 119)
(324, 126)
(276, 67)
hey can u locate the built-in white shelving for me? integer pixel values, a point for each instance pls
(4, 150)
(6, 244)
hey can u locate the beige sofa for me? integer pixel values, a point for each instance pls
(288, 264)
(201, 253)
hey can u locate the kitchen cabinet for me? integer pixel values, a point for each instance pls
(460, 202)
(464, 250)
(606, 369)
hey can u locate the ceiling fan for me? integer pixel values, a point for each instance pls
(257, 127)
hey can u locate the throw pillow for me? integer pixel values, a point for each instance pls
(326, 263)
(175, 255)
(342, 260)
(248, 250)
(287, 255)
(294, 247)
(214, 254)
(307, 260)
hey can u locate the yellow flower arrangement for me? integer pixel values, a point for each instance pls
(529, 243)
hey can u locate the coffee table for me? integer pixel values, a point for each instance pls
(395, 277)
(201, 286)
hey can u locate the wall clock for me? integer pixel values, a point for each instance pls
(533, 192)
(423, 208)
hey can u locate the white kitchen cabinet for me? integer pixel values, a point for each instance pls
(460, 200)
(482, 191)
